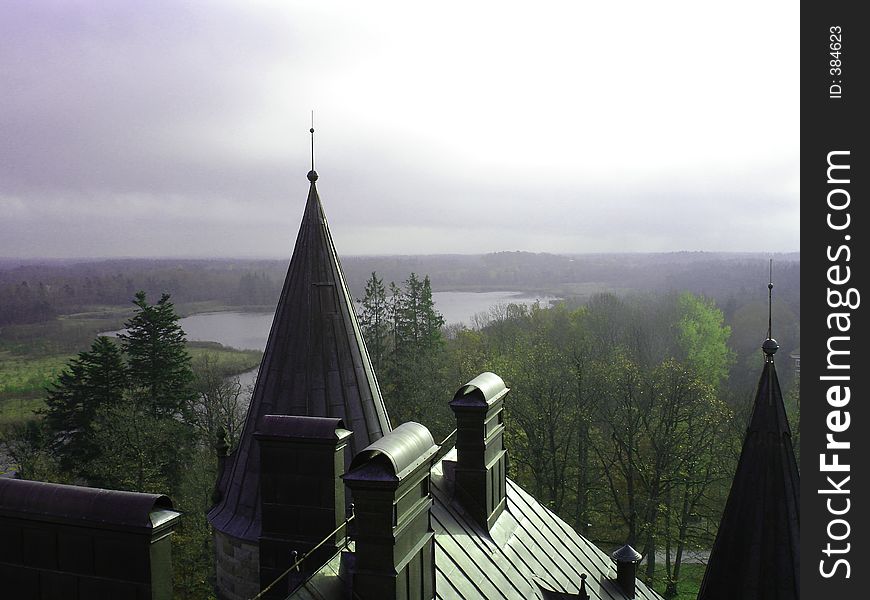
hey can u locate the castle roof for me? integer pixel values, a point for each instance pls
(756, 552)
(315, 364)
(530, 553)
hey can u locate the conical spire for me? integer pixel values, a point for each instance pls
(315, 364)
(756, 552)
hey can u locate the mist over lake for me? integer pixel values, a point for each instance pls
(250, 330)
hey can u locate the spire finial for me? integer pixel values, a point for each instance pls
(769, 300)
(770, 346)
(312, 174)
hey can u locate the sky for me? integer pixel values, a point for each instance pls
(171, 128)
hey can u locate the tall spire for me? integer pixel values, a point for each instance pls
(770, 345)
(315, 364)
(769, 285)
(312, 174)
(756, 552)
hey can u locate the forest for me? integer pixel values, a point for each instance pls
(628, 402)
(626, 414)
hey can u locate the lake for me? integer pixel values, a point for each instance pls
(250, 331)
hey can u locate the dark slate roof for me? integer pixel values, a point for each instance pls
(756, 552)
(529, 552)
(77, 505)
(315, 364)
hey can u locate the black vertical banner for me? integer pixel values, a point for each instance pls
(835, 407)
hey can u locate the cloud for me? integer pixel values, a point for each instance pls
(452, 128)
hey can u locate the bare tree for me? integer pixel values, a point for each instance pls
(220, 402)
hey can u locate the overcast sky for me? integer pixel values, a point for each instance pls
(169, 128)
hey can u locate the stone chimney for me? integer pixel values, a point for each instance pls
(301, 495)
(626, 559)
(394, 555)
(480, 474)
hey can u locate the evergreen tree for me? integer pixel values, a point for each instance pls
(375, 321)
(431, 320)
(93, 380)
(159, 365)
(416, 364)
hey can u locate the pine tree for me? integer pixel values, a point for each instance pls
(416, 360)
(93, 380)
(159, 365)
(431, 320)
(375, 321)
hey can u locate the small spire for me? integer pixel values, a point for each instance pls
(312, 174)
(770, 346)
(583, 594)
(769, 296)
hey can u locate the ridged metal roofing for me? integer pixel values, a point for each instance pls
(757, 549)
(529, 550)
(315, 364)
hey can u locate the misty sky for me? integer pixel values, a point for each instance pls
(169, 128)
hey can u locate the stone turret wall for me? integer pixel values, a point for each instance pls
(237, 567)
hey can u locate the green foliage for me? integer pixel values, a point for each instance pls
(703, 338)
(375, 321)
(93, 380)
(23, 381)
(403, 333)
(26, 444)
(609, 422)
(688, 585)
(193, 561)
(158, 362)
(140, 451)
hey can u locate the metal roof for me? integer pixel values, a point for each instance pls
(77, 505)
(756, 552)
(529, 550)
(294, 426)
(315, 364)
(484, 389)
(405, 448)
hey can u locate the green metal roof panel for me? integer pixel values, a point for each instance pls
(406, 447)
(484, 389)
(529, 548)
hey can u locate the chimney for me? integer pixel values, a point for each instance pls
(394, 554)
(626, 568)
(68, 542)
(481, 458)
(301, 495)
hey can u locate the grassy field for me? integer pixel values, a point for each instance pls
(23, 380)
(24, 377)
(690, 581)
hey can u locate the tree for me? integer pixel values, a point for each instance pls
(93, 380)
(141, 451)
(416, 368)
(375, 320)
(26, 445)
(703, 338)
(159, 364)
(219, 403)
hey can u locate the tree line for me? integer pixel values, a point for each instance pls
(621, 419)
(32, 293)
(38, 293)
